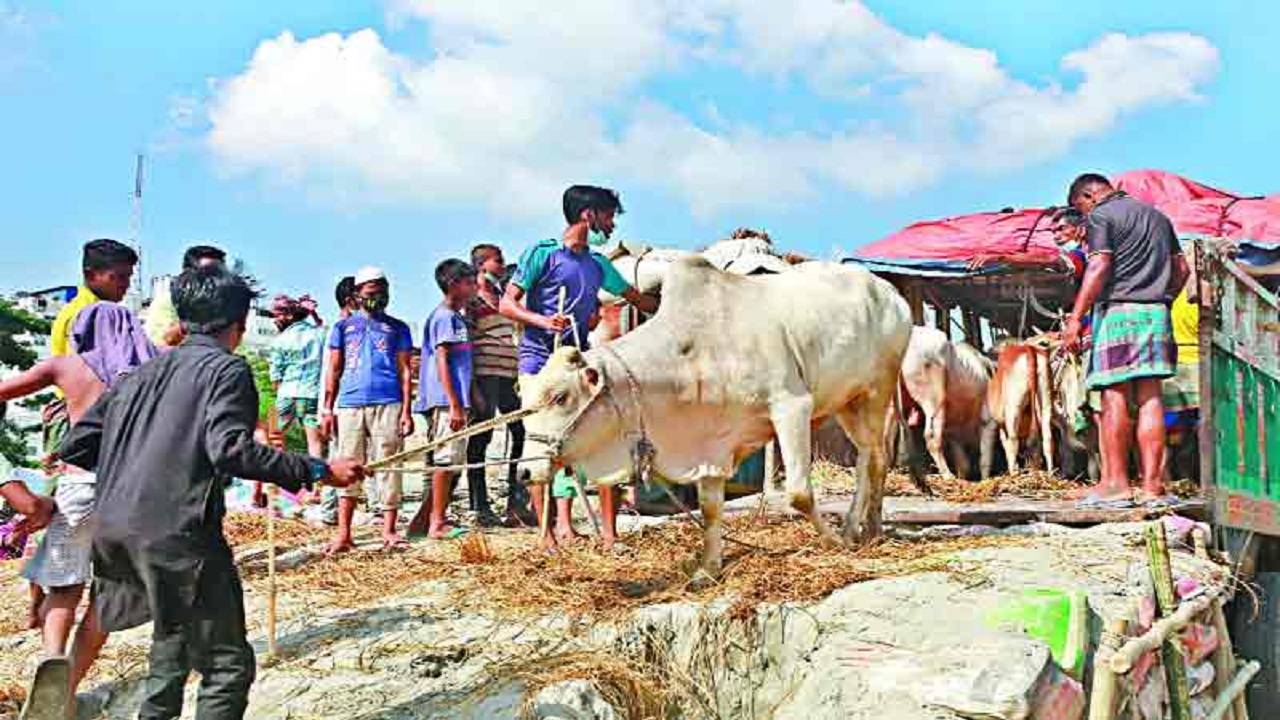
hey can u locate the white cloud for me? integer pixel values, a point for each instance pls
(17, 39)
(520, 99)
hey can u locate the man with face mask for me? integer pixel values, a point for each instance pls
(369, 381)
(570, 264)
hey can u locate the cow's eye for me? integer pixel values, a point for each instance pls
(560, 398)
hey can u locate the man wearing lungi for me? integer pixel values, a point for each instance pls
(1135, 270)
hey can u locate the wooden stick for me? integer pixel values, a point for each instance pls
(462, 434)
(1162, 577)
(544, 521)
(1123, 660)
(1102, 699)
(1234, 691)
(1223, 665)
(1224, 660)
(564, 291)
(273, 423)
(591, 511)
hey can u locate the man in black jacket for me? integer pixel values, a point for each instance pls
(164, 442)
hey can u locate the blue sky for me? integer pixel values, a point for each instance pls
(398, 133)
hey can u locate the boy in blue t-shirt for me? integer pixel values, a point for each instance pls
(369, 381)
(571, 264)
(444, 387)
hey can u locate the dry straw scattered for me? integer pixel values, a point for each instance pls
(1027, 484)
(506, 574)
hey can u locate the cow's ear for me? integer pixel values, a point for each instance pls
(593, 377)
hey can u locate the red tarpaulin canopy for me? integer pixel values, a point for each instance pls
(947, 247)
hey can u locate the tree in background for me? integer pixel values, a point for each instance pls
(13, 354)
(295, 439)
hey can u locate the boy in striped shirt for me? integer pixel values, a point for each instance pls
(496, 367)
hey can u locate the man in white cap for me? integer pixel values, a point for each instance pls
(369, 382)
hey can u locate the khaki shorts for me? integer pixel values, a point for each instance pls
(368, 434)
(433, 425)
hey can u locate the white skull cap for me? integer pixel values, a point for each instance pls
(369, 274)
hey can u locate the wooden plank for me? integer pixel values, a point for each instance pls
(1208, 321)
(1013, 511)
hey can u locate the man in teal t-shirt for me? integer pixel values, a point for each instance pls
(569, 264)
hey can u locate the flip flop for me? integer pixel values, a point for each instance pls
(1162, 503)
(50, 691)
(1094, 501)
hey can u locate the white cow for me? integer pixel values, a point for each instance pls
(645, 267)
(728, 363)
(947, 382)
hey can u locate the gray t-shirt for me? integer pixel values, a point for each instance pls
(1142, 244)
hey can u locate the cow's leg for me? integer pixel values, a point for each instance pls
(1009, 438)
(791, 418)
(1044, 407)
(962, 461)
(711, 502)
(863, 519)
(987, 448)
(934, 425)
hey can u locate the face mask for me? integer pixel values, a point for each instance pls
(595, 236)
(492, 279)
(376, 303)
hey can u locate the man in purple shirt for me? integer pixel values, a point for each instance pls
(569, 264)
(370, 383)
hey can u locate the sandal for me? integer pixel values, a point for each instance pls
(1094, 501)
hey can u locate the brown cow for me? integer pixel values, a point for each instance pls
(1034, 391)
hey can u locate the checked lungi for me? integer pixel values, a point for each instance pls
(1131, 341)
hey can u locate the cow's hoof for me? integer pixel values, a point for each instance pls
(702, 580)
(831, 541)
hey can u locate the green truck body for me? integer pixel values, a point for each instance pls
(1240, 395)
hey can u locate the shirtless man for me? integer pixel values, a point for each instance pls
(109, 342)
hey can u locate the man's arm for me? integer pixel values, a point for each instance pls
(512, 308)
(1096, 275)
(228, 434)
(457, 414)
(38, 509)
(30, 381)
(646, 303)
(614, 284)
(404, 367)
(334, 358)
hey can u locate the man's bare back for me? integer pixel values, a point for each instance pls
(68, 372)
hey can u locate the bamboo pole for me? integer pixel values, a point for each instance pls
(1102, 697)
(494, 424)
(1162, 577)
(273, 423)
(544, 522)
(1224, 660)
(1123, 660)
(1234, 692)
(1223, 664)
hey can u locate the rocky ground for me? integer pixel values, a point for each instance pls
(488, 628)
